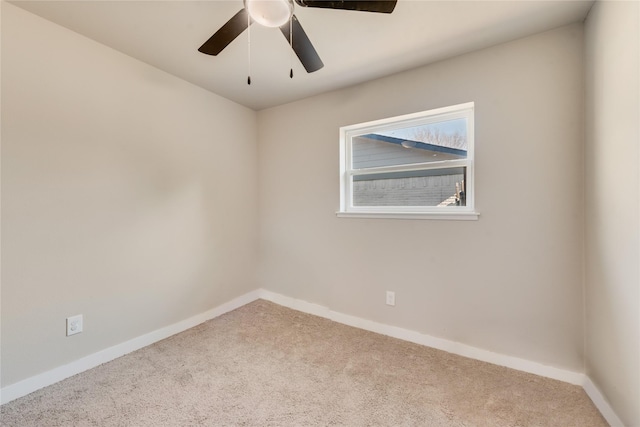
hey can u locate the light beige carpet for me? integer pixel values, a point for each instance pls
(266, 365)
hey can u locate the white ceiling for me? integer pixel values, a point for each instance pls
(354, 46)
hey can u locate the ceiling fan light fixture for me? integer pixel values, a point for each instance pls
(270, 13)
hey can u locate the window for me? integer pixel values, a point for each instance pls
(414, 166)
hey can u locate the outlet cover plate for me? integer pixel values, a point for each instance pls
(391, 298)
(74, 325)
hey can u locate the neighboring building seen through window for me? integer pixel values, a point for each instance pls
(420, 163)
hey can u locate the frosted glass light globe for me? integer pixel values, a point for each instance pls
(270, 13)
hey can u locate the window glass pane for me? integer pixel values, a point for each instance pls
(434, 187)
(426, 143)
(418, 163)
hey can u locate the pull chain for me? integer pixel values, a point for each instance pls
(249, 47)
(291, 44)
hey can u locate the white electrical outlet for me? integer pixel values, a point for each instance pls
(391, 298)
(74, 325)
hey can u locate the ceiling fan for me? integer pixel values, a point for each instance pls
(279, 13)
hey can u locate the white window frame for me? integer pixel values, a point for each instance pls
(347, 133)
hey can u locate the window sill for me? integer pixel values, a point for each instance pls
(449, 216)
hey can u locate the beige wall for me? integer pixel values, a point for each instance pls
(128, 196)
(132, 197)
(612, 205)
(510, 282)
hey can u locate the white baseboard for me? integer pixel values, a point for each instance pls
(39, 381)
(601, 403)
(524, 365)
(427, 340)
(29, 385)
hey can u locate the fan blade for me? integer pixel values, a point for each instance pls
(226, 34)
(302, 46)
(380, 6)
